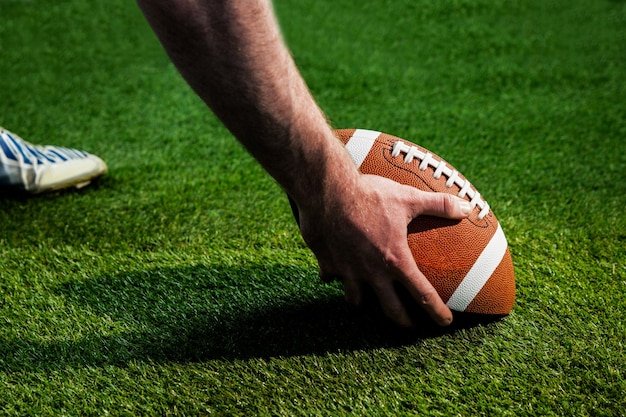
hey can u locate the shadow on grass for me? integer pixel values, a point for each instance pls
(22, 196)
(205, 313)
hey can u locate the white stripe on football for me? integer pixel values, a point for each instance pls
(467, 261)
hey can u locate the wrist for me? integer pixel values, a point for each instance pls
(324, 171)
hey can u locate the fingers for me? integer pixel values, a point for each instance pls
(438, 204)
(428, 298)
(364, 241)
(387, 299)
(418, 286)
(402, 270)
(408, 274)
(392, 306)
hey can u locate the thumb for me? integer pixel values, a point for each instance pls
(439, 205)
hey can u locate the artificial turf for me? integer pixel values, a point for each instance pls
(179, 285)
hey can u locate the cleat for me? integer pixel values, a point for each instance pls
(38, 169)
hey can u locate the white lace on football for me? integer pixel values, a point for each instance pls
(427, 159)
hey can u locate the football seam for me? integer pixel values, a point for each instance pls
(427, 160)
(485, 222)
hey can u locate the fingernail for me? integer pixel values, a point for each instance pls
(466, 207)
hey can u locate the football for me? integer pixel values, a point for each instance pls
(467, 261)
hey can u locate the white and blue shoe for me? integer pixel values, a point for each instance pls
(37, 169)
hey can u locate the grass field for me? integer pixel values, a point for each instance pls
(179, 284)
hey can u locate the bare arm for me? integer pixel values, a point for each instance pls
(233, 56)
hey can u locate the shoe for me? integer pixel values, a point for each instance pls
(37, 169)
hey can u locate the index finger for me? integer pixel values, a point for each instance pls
(425, 294)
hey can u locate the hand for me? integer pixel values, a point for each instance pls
(361, 236)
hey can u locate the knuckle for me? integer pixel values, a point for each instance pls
(398, 262)
(433, 202)
(391, 260)
(428, 297)
(441, 204)
(446, 203)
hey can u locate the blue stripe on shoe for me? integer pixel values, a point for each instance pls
(23, 152)
(6, 149)
(19, 147)
(58, 152)
(40, 155)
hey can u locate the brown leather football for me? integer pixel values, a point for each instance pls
(467, 261)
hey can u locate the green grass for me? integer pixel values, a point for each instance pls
(179, 284)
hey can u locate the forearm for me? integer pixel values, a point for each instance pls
(233, 56)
